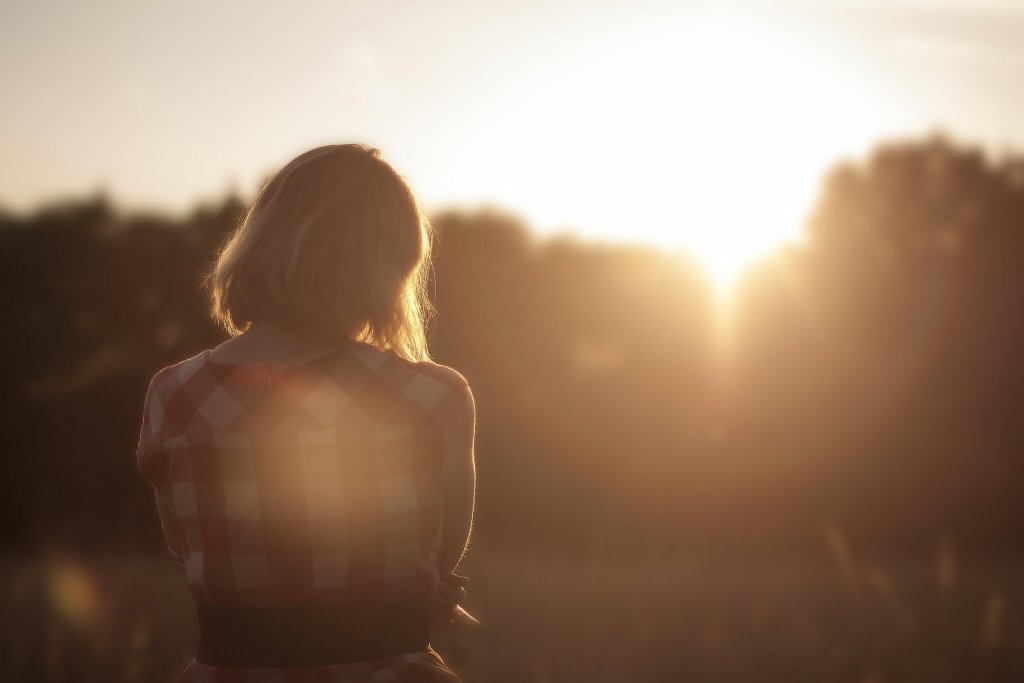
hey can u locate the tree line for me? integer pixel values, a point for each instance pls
(870, 377)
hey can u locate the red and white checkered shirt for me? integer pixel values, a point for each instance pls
(317, 482)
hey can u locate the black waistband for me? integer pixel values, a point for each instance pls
(314, 635)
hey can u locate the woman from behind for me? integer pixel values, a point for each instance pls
(314, 474)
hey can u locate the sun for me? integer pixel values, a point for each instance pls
(709, 136)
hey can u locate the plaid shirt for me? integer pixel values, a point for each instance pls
(296, 484)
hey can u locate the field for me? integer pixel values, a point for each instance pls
(826, 617)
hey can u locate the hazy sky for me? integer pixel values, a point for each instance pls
(628, 120)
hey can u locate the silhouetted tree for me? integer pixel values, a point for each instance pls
(875, 375)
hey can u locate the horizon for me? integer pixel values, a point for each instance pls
(575, 122)
(728, 293)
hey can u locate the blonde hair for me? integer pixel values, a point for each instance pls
(335, 245)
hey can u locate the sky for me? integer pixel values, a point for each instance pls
(673, 123)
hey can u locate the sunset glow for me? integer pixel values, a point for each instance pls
(699, 127)
(713, 143)
(679, 340)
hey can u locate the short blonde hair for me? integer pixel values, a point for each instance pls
(336, 246)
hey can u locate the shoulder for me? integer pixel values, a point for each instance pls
(440, 391)
(448, 376)
(168, 379)
(444, 392)
(162, 385)
(165, 384)
(443, 379)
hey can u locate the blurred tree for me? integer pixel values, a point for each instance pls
(876, 375)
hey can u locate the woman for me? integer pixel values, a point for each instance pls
(314, 474)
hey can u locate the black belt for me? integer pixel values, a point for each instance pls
(314, 635)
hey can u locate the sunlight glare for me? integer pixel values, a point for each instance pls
(710, 137)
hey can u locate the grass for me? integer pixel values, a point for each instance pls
(832, 618)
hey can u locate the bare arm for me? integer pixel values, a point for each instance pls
(151, 465)
(459, 474)
(172, 532)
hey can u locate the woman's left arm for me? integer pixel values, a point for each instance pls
(150, 460)
(172, 530)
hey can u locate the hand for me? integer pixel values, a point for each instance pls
(449, 594)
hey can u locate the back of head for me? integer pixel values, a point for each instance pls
(335, 246)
